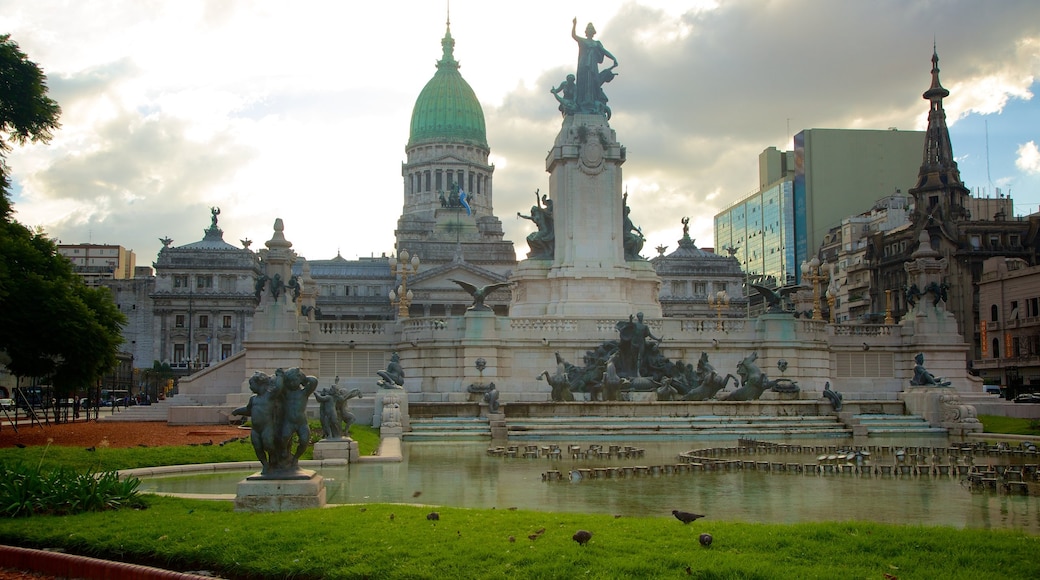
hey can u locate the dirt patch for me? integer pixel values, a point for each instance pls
(117, 433)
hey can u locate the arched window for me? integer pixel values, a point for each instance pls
(993, 314)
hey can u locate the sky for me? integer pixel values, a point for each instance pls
(300, 110)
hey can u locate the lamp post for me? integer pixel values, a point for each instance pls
(888, 308)
(811, 273)
(831, 300)
(718, 303)
(403, 267)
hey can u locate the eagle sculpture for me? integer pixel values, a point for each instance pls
(479, 294)
(774, 298)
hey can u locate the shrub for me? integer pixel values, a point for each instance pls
(26, 491)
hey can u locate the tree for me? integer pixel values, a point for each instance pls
(51, 323)
(26, 112)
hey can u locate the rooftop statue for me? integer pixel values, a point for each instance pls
(589, 79)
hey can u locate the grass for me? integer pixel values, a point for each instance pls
(357, 541)
(398, 541)
(1009, 425)
(107, 458)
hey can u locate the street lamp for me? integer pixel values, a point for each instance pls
(718, 303)
(811, 273)
(403, 267)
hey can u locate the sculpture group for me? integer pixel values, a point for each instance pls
(634, 363)
(334, 413)
(278, 410)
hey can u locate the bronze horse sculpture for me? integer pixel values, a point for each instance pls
(560, 383)
(709, 383)
(753, 382)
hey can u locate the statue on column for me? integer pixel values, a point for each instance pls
(589, 79)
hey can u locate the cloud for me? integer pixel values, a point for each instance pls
(1028, 159)
(271, 110)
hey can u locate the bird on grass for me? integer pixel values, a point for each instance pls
(705, 540)
(582, 537)
(433, 516)
(91, 448)
(391, 517)
(416, 494)
(20, 445)
(685, 517)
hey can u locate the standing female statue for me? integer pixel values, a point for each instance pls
(588, 78)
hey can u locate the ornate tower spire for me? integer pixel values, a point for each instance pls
(939, 193)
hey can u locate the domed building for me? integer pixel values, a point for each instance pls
(692, 280)
(448, 218)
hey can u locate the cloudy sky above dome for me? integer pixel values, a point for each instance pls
(301, 110)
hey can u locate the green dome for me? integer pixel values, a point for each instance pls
(447, 110)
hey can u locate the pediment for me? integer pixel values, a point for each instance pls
(440, 277)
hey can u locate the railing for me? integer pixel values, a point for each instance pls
(697, 325)
(352, 326)
(863, 329)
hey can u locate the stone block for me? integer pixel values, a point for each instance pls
(257, 494)
(344, 448)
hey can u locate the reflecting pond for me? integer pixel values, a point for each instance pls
(463, 474)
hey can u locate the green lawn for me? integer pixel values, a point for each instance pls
(1010, 425)
(399, 541)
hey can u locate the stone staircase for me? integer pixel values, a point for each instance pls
(448, 429)
(882, 425)
(671, 428)
(154, 412)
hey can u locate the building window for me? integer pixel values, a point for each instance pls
(203, 321)
(204, 281)
(225, 351)
(180, 281)
(227, 321)
(203, 356)
(178, 321)
(1031, 307)
(994, 241)
(178, 353)
(1013, 240)
(994, 314)
(996, 348)
(438, 180)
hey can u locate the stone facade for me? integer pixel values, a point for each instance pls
(1009, 308)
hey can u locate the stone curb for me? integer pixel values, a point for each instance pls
(63, 565)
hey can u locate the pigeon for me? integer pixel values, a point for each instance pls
(20, 445)
(391, 517)
(512, 539)
(582, 537)
(91, 448)
(705, 540)
(433, 516)
(685, 517)
(416, 493)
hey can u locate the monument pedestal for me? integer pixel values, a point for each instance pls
(259, 494)
(342, 448)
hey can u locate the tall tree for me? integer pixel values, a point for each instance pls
(51, 324)
(26, 112)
